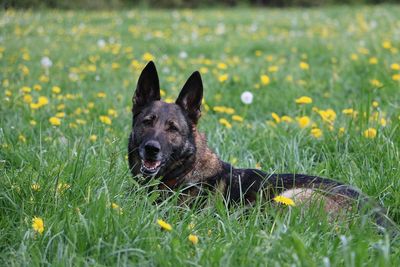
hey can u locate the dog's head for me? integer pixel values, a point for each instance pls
(162, 133)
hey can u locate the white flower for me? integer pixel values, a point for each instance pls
(46, 62)
(101, 43)
(183, 55)
(247, 97)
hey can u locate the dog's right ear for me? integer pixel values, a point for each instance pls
(148, 87)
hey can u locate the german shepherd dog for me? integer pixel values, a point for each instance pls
(164, 144)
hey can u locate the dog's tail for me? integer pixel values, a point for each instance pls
(279, 183)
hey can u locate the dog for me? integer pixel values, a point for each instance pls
(165, 144)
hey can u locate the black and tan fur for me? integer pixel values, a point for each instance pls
(165, 144)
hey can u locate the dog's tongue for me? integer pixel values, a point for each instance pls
(151, 164)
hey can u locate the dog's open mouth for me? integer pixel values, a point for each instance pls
(150, 167)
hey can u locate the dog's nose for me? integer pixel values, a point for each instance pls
(152, 148)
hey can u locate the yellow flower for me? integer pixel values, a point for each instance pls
(347, 111)
(354, 57)
(164, 225)
(375, 104)
(116, 207)
(147, 57)
(56, 89)
(328, 115)
(396, 77)
(194, 239)
(273, 69)
(304, 100)
(225, 122)
(222, 66)
(28, 99)
(105, 120)
(38, 225)
(284, 200)
(44, 79)
(32, 122)
(61, 187)
(93, 138)
(395, 66)
(373, 61)
(43, 101)
(8, 93)
(370, 133)
(387, 44)
(101, 95)
(55, 121)
(376, 83)
(304, 66)
(26, 89)
(303, 121)
(115, 66)
(286, 118)
(112, 112)
(223, 78)
(383, 122)
(35, 187)
(237, 118)
(37, 87)
(22, 138)
(316, 132)
(265, 80)
(276, 117)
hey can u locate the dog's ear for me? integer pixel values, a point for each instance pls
(190, 97)
(148, 87)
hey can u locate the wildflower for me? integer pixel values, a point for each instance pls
(303, 121)
(286, 118)
(273, 69)
(8, 93)
(237, 118)
(194, 239)
(276, 117)
(246, 97)
(147, 57)
(373, 61)
(225, 122)
(164, 225)
(116, 207)
(38, 225)
(56, 89)
(354, 57)
(265, 80)
(35, 187)
(105, 120)
(43, 101)
(44, 79)
(387, 44)
(93, 138)
(375, 104)
(304, 100)
(60, 114)
(26, 89)
(27, 99)
(61, 187)
(91, 68)
(222, 66)
(101, 95)
(376, 83)
(347, 111)
(304, 66)
(316, 132)
(223, 78)
(55, 121)
(115, 66)
(341, 131)
(370, 133)
(383, 122)
(112, 112)
(46, 62)
(22, 138)
(328, 115)
(395, 66)
(37, 87)
(32, 122)
(284, 200)
(396, 77)
(203, 70)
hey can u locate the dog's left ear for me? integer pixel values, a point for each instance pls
(190, 97)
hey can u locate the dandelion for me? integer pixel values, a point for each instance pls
(32, 122)
(38, 225)
(115, 66)
(370, 133)
(42, 101)
(93, 138)
(316, 132)
(304, 121)
(383, 122)
(395, 66)
(237, 118)
(375, 104)
(44, 79)
(56, 89)
(105, 120)
(27, 99)
(37, 87)
(223, 78)
(286, 119)
(373, 61)
(194, 239)
(276, 117)
(396, 77)
(354, 57)
(284, 200)
(147, 57)
(35, 187)
(26, 89)
(112, 112)
(273, 69)
(387, 44)
(304, 100)
(265, 80)
(246, 97)
(347, 111)
(101, 95)
(164, 225)
(22, 138)
(225, 122)
(62, 187)
(304, 66)
(116, 207)
(222, 66)
(376, 83)
(55, 121)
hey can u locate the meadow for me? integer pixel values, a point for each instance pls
(325, 101)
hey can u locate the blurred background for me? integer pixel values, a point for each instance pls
(100, 4)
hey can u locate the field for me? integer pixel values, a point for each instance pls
(326, 101)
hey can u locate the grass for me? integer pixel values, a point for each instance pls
(71, 174)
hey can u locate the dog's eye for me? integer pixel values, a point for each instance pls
(172, 127)
(148, 120)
